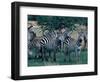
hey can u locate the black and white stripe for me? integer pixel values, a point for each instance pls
(44, 41)
(47, 42)
(74, 46)
(48, 38)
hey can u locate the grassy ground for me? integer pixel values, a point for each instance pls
(60, 60)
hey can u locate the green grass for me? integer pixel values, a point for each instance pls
(72, 60)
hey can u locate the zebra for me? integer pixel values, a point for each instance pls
(47, 43)
(30, 36)
(62, 37)
(51, 43)
(74, 46)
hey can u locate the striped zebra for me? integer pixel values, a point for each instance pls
(62, 37)
(45, 44)
(73, 47)
(50, 43)
(30, 36)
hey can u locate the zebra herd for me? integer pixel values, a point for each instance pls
(51, 42)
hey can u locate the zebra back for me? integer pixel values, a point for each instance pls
(48, 37)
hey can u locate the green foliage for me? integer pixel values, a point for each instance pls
(53, 22)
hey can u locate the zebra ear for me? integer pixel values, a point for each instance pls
(30, 27)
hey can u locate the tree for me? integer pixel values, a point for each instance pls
(52, 22)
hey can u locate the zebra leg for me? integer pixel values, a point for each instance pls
(69, 56)
(46, 55)
(79, 60)
(36, 53)
(43, 53)
(30, 54)
(54, 56)
(65, 55)
(62, 45)
(50, 53)
(77, 55)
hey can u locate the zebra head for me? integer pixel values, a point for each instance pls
(62, 37)
(82, 39)
(31, 34)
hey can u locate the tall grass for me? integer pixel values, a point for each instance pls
(72, 60)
